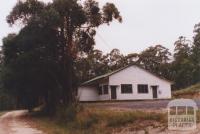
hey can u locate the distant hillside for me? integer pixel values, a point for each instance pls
(189, 92)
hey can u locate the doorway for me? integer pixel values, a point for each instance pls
(155, 91)
(113, 92)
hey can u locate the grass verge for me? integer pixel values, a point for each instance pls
(98, 121)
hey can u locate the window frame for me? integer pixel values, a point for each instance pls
(105, 90)
(100, 90)
(125, 92)
(143, 89)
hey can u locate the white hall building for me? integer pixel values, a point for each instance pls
(128, 83)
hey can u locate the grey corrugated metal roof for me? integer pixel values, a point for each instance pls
(102, 76)
(113, 72)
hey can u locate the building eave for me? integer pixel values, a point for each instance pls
(106, 76)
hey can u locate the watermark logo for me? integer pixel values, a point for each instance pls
(182, 114)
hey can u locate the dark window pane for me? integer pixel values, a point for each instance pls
(126, 88)
(105, 89)
(142, 88)
(100, 90)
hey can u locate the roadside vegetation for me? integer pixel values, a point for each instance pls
(7, 102)
(100, 121)
(2, 112)
(192, 92)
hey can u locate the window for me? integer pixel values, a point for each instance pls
(126, 88)
(142, 88)
(105, 89)
(100, 90)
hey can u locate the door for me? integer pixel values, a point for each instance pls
(155, 91)
(113, 92)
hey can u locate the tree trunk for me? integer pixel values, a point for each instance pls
(67, 61)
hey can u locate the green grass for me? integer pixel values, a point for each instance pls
(99, 121)
(189, 91)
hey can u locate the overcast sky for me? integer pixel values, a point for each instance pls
(145, 23)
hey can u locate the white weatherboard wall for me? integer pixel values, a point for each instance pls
(135, 75)
(88, 93)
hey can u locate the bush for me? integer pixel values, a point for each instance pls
(67, 114)
(7, 102)
(86, 122)
(121, 119)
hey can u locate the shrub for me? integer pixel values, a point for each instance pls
(121, 119)
(88, 121)
(7, 102)
(66, 114)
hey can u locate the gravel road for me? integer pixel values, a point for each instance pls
(147, 104)
(11, 123)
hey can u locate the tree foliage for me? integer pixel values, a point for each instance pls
(40, 60)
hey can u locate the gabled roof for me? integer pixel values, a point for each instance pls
(113, 72)
(103, 76)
